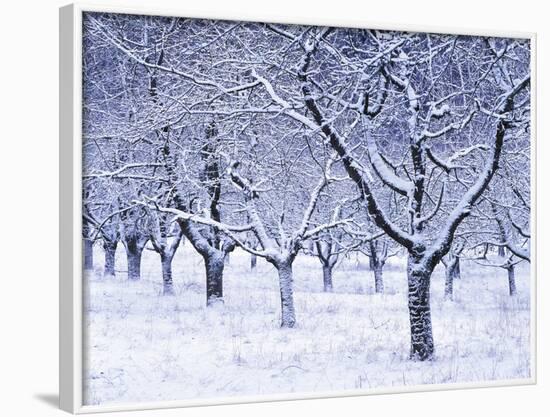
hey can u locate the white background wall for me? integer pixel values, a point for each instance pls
(29, 208)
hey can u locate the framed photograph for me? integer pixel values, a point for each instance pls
(255, 211)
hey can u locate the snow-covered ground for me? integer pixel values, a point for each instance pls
(142, 346)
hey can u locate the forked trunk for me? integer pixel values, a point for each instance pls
(419, 274)
(110, 253)
(327, 278)
(88, 254)
(288, 315)
(214, 279)
(511, 280)
(167, 283)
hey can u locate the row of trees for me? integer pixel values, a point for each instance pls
(280, 139)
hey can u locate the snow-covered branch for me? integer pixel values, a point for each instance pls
(122, 169)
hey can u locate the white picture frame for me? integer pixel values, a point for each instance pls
(70, 261)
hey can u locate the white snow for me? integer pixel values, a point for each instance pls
(142, 346)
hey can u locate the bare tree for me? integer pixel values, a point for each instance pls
(378, 255)
(418, 123)
(268, 216)
(423, 114)
(165, 236)
(327, 253)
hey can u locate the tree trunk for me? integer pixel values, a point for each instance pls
(419, 275)
(88, 254)
(452, 272)
(253, 261)
(327, 278)
(214, 279)
(378, 279)
(110, 252)
(288, 316)
(501, 251)
(167, 284)
(485, 251)
(133, 255)
(449, 277)
(457, 269)
(512, 280)
(371, 262)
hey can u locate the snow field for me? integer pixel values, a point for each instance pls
(143, 346)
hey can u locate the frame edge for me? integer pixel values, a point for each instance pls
(70, 288)
(67, 319)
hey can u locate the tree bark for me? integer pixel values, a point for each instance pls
(377, 259)
(133, 255)
(214, 278)
(167, 283)
(88, 254)
(371, 262)
(452, 272)
(378, 279)
(449, 277)
(327, 278)
(110, 252)
(419, 274)
(511, 280)
(485, 251)
(457, 269)
(288, 315)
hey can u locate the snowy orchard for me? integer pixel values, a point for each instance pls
(283, 143)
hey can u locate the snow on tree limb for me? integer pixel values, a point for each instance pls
(349, 162)
(122, 169)
(457, 125)
(388, 176)
(171, 70)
